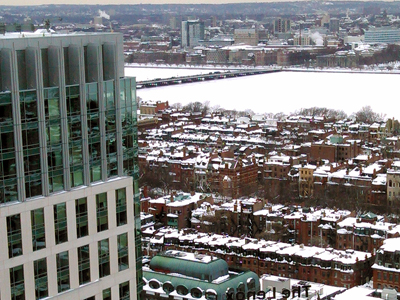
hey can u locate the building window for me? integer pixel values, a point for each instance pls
(17, 283)
(63, 271)
(82, 228)
(124, 291)
(41, 288)
(120, 197)
(14, 235)
(107, 294)
(38, 231)
(84, 264)
(123, 262)
(60, 223)
(104, 258)
(102, 213)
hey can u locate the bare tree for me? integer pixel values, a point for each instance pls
(367, 115)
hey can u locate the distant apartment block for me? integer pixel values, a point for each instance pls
(192, 33)
(246, 36)
(281, 25)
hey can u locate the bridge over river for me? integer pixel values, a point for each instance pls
(202, 77)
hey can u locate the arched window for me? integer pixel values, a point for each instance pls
(196, 292)
(211, 294)
(251, 284)
(240, 287)
(154, 284)
(168, 287)
(230, 291)
(182, 290)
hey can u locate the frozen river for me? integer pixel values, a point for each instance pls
(280, 92)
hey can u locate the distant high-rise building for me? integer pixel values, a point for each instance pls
(214, 21)
(334, 25)
(68, 152)
(173, 22)
(281, 25)
(385, 34)
(192, 33)
(246, 36)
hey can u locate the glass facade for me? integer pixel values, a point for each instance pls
(74, 135)
(14, 235)
(104, 257)
(111, 128)
(120, 197)
(30, 142)
(17, 283)
(63, 282)
(93, 129)
(61, 130)
(54, 139)
(102, 212)
(38, 230)
(41, 287)
(107, 294)
(123, 261)
(84, 264)
(124, 291)
(8, 178)
(82, 228)
(60, 223)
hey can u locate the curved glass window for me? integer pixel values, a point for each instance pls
(168, 287)
(182, 290)
(154, 284)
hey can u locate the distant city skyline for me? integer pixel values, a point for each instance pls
(114, 2)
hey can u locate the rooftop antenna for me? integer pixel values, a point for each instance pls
(3, 28)
(46, 23)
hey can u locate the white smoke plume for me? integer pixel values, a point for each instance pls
(317, 38)
(104, 15)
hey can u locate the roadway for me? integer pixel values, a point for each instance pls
(202, 77)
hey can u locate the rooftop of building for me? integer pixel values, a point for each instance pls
(40, 33)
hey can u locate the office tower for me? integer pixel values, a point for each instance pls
(192, 33)
(69, 208)
(281, 25)
(334, 25)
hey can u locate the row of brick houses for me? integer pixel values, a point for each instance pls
(297, 158)
(323, 265)
(253, 217)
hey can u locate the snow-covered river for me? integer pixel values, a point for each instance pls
(279, 92)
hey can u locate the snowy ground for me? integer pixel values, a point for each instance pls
(281, 92)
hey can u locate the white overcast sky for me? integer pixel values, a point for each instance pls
(105, 2)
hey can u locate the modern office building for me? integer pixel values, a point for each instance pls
(386, 35)
(192, 33)
(69, 210)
